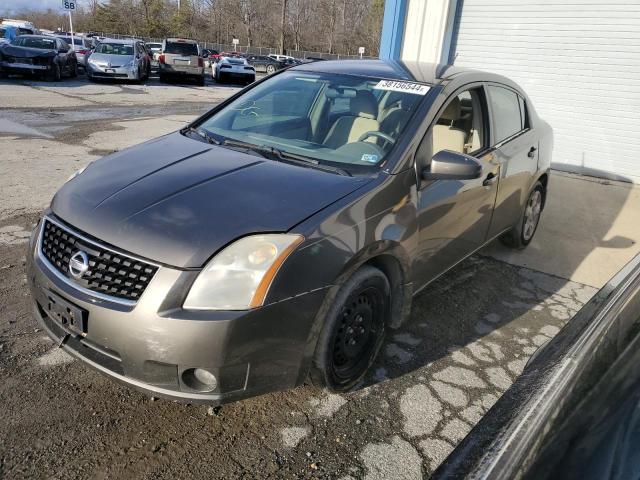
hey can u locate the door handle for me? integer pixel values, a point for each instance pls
(532, 152)
(490, 179)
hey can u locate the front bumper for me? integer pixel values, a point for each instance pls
(180, 70)
(19, 67)
(151, 344)
(100, 71)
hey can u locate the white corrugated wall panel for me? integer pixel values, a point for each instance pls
(578, 60)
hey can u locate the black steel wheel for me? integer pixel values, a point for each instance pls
(354, 330)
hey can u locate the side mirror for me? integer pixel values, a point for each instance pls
(450, 165)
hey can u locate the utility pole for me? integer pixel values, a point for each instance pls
(282, 24)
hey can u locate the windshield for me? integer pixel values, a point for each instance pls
(335, 119)
(181, 48)
(35, 42)
(114, 49)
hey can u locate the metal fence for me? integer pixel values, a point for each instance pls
(222, 47)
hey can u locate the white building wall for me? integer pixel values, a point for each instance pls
(578, 60)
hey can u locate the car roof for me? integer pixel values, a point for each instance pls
(430, 73)
(180, 40)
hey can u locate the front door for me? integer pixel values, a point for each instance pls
(454, 216)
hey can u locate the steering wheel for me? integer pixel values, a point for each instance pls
(375, 133)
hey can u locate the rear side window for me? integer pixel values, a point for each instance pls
(508, 116)
(178, 48)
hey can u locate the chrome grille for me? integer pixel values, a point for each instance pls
(110, 273)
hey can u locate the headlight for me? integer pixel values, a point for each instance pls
(239, 277)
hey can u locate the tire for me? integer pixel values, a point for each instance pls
(521, 234)
(91, 78)
(56, 74)
(163, 78)
(270, 69)
(201, 81)
(353, 331)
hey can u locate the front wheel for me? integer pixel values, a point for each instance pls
(353, 332)
(56, 74)
(270, 69)
(521, 235)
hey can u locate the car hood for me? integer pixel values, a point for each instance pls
(177, 201)
(115, 60)
(25, 52)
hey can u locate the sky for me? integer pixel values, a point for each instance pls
(17, 5)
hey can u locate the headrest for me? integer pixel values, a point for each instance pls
(364, 105)
(452, 112)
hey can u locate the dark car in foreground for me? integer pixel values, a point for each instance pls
(41, 55)
(282, 234)
(575, 410)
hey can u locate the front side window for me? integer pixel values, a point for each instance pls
(114, 49)
(331, 118)
(460, 127)
(507, 117)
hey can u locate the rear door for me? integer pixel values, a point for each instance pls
(516, 151)
(258, 63)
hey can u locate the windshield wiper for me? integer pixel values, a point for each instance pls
(204, 134)
(288, 157)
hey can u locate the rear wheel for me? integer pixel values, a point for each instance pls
(521, 235)
(270, 69)
(353, 332)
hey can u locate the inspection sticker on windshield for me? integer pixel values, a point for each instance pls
(408, 87)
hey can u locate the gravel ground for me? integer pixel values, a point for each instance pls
(467, 339)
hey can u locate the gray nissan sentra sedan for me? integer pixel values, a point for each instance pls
(280, 236)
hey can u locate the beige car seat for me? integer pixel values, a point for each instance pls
(363, 108)
(445, 135)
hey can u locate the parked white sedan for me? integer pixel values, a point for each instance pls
(233, 69)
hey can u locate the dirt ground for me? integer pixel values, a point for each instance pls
(468, 338)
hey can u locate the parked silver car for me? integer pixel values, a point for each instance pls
(81, 45)
(125, 59)
(180, 58)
